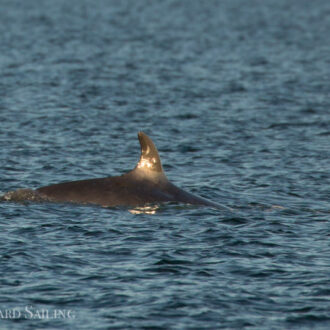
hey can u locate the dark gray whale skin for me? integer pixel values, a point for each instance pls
(145, 184)
(128, 189)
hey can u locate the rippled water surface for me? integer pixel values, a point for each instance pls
(235, 94)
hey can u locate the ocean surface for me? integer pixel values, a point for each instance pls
(236, 96)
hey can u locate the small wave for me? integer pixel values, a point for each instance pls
(23, 195)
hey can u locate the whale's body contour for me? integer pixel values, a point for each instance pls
(145, 184)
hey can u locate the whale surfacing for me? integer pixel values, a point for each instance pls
(145, 184)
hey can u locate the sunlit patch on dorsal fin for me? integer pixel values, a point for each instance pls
(149, 159)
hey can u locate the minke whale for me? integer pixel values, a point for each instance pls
(145, 184)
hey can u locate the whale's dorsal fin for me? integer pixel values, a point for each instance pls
(149, 159)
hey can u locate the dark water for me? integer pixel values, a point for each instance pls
(235, 95)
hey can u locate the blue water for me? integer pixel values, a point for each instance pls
(236, 96)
